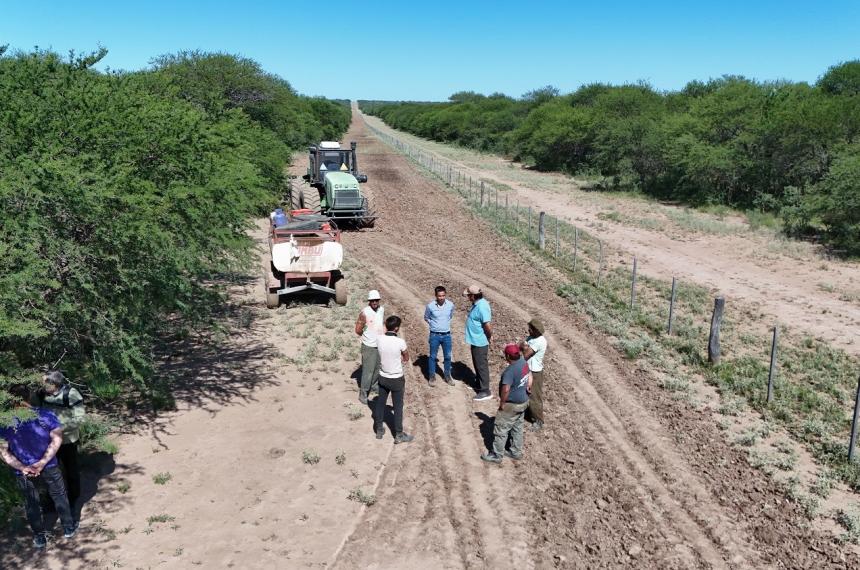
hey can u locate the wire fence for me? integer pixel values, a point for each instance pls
(673, 314)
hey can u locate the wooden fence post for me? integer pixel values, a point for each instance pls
(771, 372)
(575, 246)
(714, 337)
(530, 225)
(506, 208)
(633, 286)
(671, 307)
(556, 236)
(599, 261)
(482, 194)
(541, 231)
(853, 439)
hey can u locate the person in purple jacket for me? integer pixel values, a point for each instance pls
(29, 446)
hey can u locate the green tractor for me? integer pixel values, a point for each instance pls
(333, 190)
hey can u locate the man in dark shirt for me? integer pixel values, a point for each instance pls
(29, 446)
(513, 401)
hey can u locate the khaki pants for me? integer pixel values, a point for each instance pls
(369, 368)
(509, 421)
(535, 411)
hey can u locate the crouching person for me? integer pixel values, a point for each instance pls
(29, 446)
(513, 402)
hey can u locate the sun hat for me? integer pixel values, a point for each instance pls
(374, 295)
(473, 289)
(536, 325)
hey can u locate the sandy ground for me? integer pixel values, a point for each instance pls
(622, 477)
(790, 282)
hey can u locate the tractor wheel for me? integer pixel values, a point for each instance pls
(340, 293)
(309, 198)
(365, 208)
(272, 299)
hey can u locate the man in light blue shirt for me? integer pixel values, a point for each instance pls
(479, 332)
(438, 315)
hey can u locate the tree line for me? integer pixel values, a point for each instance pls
(123, 196)
(788, 148)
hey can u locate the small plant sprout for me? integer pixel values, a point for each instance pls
(360, 496)
(310, 456)
(340, 458)
(161, 478)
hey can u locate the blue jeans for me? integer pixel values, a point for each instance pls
(437, 339)
(52, 477)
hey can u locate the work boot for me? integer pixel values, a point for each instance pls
(380, 433)
(71, 531)
(449, 380)
(508, 453)
(403, 438)
(40, 540)
(431, 382)
(536, 426)
(492, 457)
(362, 397)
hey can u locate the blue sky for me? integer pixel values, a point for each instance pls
(428, 50)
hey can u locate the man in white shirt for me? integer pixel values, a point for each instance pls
(369, 327)
(392, 356)
(534, 349)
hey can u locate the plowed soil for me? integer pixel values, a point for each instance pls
(623, 476)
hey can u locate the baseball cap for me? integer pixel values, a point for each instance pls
(472, 289)
(374, 295)
(512, 350)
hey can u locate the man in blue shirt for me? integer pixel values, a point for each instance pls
(513, 401)
(438, 315)
(479, 332)
(29, 446)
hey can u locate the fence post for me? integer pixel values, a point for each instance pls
(541, 231)
(714, 337)
(771, 372)
(556, 236)
(506, 208)
(518, 217)
(497, 202)
(599, 261)
(482, 194)
(633, 286)
(671, 307)
(575, 246)
(854, 423)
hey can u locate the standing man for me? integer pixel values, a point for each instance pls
(438, 315)
(64, 401)
(369, 327)
(29, 446)
(513, 401)
(479, 332)
(534, 349)
(392, 356)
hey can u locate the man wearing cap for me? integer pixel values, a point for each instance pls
(438, 315)
(369, 327)
(513, 401)
(479, 332)
(534, 349)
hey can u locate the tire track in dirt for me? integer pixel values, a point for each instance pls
(490, 533)
(646, 457)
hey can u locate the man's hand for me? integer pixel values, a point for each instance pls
(34, 470)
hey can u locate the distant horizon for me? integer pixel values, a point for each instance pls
(383, 52)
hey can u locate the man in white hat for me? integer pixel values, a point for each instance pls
(369, 326)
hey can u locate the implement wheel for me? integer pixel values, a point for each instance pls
(272, 299)
(340, 293)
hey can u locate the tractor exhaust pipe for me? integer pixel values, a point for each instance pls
(352, 146)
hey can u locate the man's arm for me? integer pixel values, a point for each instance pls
(504, 392)
(427, 314)
(488, 330)
(404, 356)
(359, 324)
(77, 417)
(527, 351)
(529, 385)
(56, 442)
(10, 459)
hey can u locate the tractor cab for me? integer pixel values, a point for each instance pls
(329, 157)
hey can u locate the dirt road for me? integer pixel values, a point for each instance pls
(783, 279)
(624, 476)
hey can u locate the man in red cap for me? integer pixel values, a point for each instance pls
(513, 401)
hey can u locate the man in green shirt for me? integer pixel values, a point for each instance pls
(65, 402)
